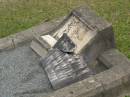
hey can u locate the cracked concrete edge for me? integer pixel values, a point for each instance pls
(109, 83)
(12, 41)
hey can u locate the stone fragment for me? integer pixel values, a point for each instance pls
(65, 44)
(49, 40)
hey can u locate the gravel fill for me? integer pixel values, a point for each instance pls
(21, 74)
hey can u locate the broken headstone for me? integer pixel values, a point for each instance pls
(64, 69)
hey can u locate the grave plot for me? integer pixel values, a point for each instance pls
(76, 58)
(82, 34)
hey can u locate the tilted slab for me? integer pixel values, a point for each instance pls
(64, 69)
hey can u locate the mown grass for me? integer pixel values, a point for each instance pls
(18, 15)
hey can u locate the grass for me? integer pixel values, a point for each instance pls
(18, 15)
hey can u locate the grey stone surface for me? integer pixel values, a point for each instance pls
(21, 75)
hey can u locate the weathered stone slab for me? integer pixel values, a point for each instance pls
(63, 69)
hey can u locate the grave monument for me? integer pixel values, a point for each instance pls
(72, 45)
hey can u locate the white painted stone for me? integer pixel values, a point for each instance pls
(49, 40)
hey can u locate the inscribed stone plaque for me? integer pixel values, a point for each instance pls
(64, 69)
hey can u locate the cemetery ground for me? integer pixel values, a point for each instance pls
(18, 15)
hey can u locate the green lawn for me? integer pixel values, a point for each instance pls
(18, 15)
